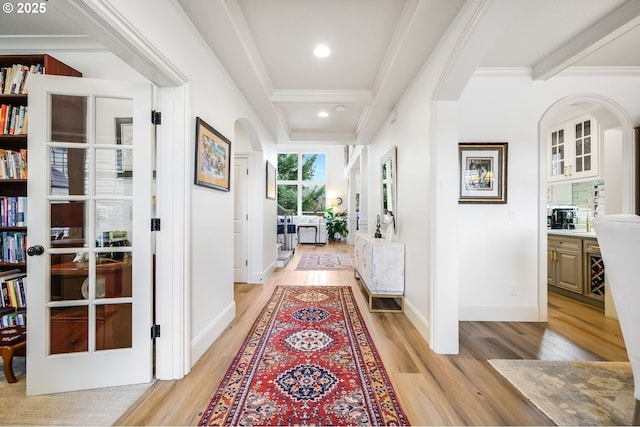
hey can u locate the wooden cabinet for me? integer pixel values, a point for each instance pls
(594, 281)
(575, 268)
(564, 267)
(380, 267)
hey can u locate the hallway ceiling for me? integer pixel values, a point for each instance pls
(377, 49)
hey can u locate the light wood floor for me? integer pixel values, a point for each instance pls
(434, 389)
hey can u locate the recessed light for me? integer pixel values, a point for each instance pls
(323, 114)
(340, 108)
(322, 51)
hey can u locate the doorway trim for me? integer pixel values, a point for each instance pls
(104, 22)
(628, 173)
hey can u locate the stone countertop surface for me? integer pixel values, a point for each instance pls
(573, 233)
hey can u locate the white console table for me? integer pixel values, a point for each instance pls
(380, 267)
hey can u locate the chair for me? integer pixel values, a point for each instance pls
(13, 340)
(619, 240)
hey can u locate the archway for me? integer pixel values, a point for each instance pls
(611, 117)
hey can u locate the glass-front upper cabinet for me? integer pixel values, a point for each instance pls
(573, 149)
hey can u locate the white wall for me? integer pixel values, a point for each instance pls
(499, 244)
(496, 247)
(410, 134)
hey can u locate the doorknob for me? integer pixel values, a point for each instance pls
(35, 250)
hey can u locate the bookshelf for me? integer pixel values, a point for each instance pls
(15, 71)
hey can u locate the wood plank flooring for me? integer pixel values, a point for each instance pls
(434, 389)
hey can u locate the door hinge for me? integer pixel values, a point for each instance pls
(155, 224)
(156, 117)
(246, 262)
(155, 332)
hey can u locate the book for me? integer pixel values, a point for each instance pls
(8, 293)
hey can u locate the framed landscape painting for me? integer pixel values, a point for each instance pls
(213, 157)
(483, 172)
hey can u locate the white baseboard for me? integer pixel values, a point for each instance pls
(261, 277)
(525, 313)
(203, 341)
(420, 322)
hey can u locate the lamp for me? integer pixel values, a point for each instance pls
(336, 202)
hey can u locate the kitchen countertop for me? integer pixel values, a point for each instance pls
(572, 233)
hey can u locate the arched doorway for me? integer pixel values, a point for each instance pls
(616, 127)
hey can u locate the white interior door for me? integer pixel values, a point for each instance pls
(89, 269)
(240, 220)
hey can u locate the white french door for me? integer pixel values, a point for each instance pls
(89, 271)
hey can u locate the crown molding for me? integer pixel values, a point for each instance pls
(621, 20)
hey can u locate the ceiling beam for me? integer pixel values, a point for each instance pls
(342, 137)
(621, 20)
(294, 96)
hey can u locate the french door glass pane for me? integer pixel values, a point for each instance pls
(67, 226)
(68, 118)
(69, 272)
(69, 171)
(113, 275)
(119, 318)
(69, 329)
(113, 225)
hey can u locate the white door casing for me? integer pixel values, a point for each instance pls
(240, 220)
(97, 365)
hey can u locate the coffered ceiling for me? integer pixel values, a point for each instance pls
(377, 49)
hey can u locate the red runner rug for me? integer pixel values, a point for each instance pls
(308, 360)
(322, 261)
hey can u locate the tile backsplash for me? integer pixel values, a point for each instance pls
(588, 198)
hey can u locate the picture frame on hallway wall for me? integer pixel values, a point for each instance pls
(124, 136)
(213, 157)
(271, 182)
(483, 172)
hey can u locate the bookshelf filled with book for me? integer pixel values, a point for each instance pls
(15, 71)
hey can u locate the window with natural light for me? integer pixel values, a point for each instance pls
(302, 181)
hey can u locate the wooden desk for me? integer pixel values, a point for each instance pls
(69, 326)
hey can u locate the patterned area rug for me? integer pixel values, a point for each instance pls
(320, 261)
(574, 393)
(308, 360)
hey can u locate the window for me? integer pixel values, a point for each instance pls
(302, 181)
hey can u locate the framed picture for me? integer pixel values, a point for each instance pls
(124, 136)
(483, 172)
(271, 181)
(213, 157)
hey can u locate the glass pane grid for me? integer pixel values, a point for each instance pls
(90, 295)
